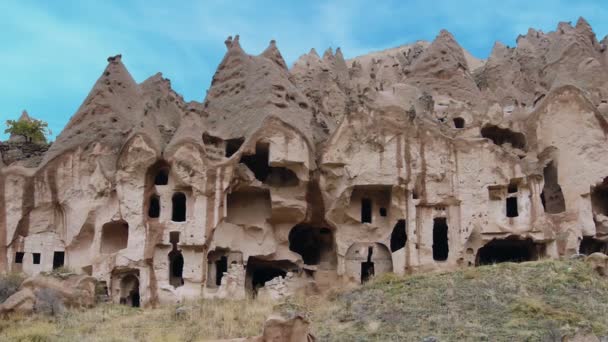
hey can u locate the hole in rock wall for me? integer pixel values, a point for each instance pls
(36, 258)
(511, 205)
(233, 145)
(315, 245)
(179, 207)
(154, 207)
(176, 268)
(367, 267)
(174, 238)
(162, 176)
(217, 265)
(58, 259)
(366, 210)
(281, 177)
(458, 122)
(176, 262)
(221, 266)
(383, 212)
(248, 206)
(114, 236)
(512, 188)
(599, 198)
(129, 290)
(19, 257)
(509, 250)
(590, 245)
(398, 236)
(552, 197)
(500, 136)
(440, 239)
(260, 271)
(258, 163)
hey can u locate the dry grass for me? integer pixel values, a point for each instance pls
(201, 320)
(537, 301)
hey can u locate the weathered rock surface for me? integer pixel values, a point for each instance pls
(72, 291)
(412, 159)
(281, 329)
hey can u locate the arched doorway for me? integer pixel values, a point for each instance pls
(365, 260)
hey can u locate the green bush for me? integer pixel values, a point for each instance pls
(32, 130)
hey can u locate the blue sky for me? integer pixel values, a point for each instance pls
(52, 52)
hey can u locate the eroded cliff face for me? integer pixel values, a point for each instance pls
(417, 158)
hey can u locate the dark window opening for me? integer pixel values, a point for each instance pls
(179, 207)
(367, 267)
(383, 212)
(260, 271)
(366, 210)
(233, 145)
(114, 236)
(58, 259)
(440, 239)
(221, 266)
(398, 236)
(162, 177)
(552, 197)
(154, 208)
(590, 245)
(512, 188)
(599, 198)
(176, 268)
(512, 207)
(509, 250)
(458, 122)
(36, 258)
(174, 238)
(258, 163)
(19, 257)
(281, 177)
(500, 136)
(315, 245)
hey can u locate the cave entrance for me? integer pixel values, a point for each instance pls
(398, 236)
(367, 267)
(158, 173)
(221, 266)
(179, 207)
(510, 249)
(440, 239)
(512, 210)
(258, 162)
(261, 271)
(501, 136)
(590, 245)
(129, 290)
(58, 259)
(233, 145)
(176, 262)
(599, 198)
(314, 244)
(114, 236)
(218, 262)
(176, 268)
(552, 197)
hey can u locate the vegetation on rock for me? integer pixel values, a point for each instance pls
(32, 130)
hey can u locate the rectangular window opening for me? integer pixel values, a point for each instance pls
(366, 210)
(36, 258)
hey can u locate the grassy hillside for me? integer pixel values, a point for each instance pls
(536, 301)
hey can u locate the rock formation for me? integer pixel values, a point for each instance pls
(412, 159)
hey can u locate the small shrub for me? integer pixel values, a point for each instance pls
(9, 284)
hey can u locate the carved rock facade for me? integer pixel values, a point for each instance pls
(417, 158)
